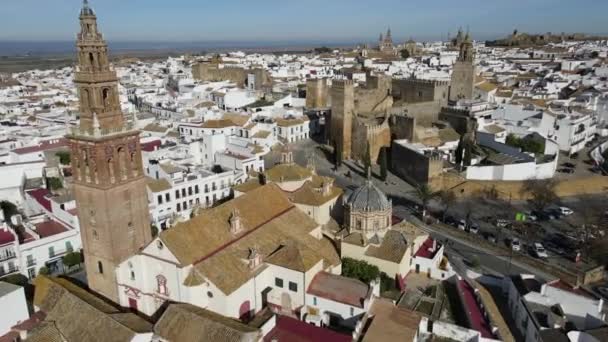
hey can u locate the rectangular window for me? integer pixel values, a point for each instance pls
(352, 311)
(168, 197)
(177, 193)
(314, 300)
(293, 286)
(278, 282)
(160, 199)
(189, 191)
(185, 205)
(196, 189)
(179, 207)
(184, 192)
(68, 246)
(51, 252)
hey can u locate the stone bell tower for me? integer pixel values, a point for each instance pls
(108, 178)
(463, 75)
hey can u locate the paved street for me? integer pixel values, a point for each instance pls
(404, 200)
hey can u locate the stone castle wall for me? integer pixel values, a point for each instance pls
(212, 72)
(317, 93)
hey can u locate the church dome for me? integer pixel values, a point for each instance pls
(368, 198)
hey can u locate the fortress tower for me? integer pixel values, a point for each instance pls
(463, 75)
(343, 110)
(109, 183)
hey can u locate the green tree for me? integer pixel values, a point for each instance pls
(72, 259)
(404, 54)
(262, 178)
(425, 195)
(8, 210)
(383, 164)
(541, 191)
(154, 230)
(44, 270)
(54, 183)
(361, 270)
(64, 157)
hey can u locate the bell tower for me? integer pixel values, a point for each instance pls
(108, 179)
(463, 74)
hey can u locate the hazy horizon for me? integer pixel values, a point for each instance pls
(337, 21)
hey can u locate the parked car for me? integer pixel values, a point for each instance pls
(474, 228)
(501, 223)
(565, 211)
(530, 216)
(462, 225)
(516, 245)
(539, 251)
(450, 220)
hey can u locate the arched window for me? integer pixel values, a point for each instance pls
(85, 98)
(122, 163)
(105, 95)
(91, 60)
(111, 169)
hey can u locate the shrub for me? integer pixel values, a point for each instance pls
(72, 259)
(44, 270)
(54, 183)
(64, 157)
(361, 270)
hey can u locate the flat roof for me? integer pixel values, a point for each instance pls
(6, 288)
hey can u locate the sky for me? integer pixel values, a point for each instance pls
(297, 20)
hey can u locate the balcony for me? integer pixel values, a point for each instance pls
(10, 270)
(7, 256)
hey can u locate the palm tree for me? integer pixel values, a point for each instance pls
(447, 197)
(425, 195)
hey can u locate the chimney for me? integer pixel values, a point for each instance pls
(254, 259)
(235, 222)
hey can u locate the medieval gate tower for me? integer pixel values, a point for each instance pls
(108, 178)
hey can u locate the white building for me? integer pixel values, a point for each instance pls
(12, 300)
(535, 306)
(233, 259)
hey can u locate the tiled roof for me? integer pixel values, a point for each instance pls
(476, 316)
(41, 196)
(151, 145)
(293, 330)
(188, 323)
(311, 193)
(207, 243)
(339, 289)
(155, 128)
(43, 146)
(6, 237)
(75, 314)
(391, 323)
(157, 185)
(49, 228)
(287, 173)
